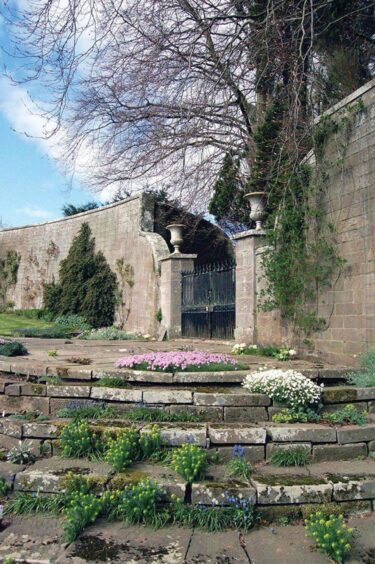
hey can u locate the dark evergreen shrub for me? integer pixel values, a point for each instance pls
(12, 348)
(87, 286)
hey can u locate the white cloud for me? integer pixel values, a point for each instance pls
(36, 212)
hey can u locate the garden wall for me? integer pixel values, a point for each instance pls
(122, 231)
(349, 305)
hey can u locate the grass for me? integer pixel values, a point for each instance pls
(298, 456)
(9, 322)
(158, 415)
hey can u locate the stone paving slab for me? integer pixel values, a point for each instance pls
(216, 548)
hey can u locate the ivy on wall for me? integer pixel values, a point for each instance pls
(301, 256)
(8, 272)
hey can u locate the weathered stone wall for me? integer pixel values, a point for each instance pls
(349, 305)
(122, 231)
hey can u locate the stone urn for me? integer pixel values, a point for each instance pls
(177, 239)
(257, 213)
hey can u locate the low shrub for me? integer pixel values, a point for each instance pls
(73, 322)
(179, 361)
(21, 454)
(238, 465)
(283, 353)
(365, 377)
(78, 440)
(81, 510)
(107, 334)
(294, 456)
(123, 450)
(300, 415)
(34, 314)
(4, 487)
(12, 348)
(46, 333)
(189, 461)
(52, 352)
(331, 535)
(348, 415)
(287, 386)
(110, 382)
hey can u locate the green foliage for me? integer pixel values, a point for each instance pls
(154, 414)
(110, 382)
(212, 367)
(189, 461)
(331, 535)
(12, 348)
(21, 454)
(52, 353)
(297, 415)
(150, 442)
(4, 487)
(239, 467)
(97, 411)
(139, 503)
(348, 415)
(107, 334)
(87, 286)
(294, 456)
(34, 314)
(73, 322)
(24, 503)
(78, 440)
(364, 378)
(228, 202)
(44, 333)
(239, 516)
(8, 272)
(280, 353)
(29, 416)
(70, 209)
(159, 315)
(82, 509)
(123, 450)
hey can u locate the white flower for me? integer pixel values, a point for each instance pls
(254, 347)
(292, 352)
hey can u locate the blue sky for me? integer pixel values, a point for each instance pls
(32, 189)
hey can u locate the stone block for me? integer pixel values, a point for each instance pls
(5, 366)
(245, 414)
(355, 434)
(181, 433)
(8, 471)
(302, 433)
(205, 413)
(116, 394)
(13, 390)
(11, 428)
(352, 488)
(253, 453)
(231, 399)
(236, 434)
(222, 377)
(60, 403)
(278, 490)
(371, 446)
(366, 393)
(28, 369)
(15, 404)
(340, 394)
(273, 448)
(148, 376)
(332, 407)
(68, 373)
(40, 430)
(167, 396)
(338, 452)
(216, 493)
(30, 389)
(68, 391)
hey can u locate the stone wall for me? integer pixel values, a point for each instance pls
(349, 305)
(122, 231)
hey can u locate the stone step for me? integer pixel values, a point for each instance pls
(269, 489)
(323, 442)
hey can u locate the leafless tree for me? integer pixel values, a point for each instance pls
(158, 91)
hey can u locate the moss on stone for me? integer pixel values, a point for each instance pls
(123, 479)
(339, 479)
(288, 480)
(340, 394)
(273, 513)
(335, 508)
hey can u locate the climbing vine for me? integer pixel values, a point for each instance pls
(301, 256)
(8, 272)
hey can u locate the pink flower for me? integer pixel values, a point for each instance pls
(174, 360)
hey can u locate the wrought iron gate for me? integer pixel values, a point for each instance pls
(208, 301)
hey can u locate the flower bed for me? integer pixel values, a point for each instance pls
(196, 361)
(287, 386)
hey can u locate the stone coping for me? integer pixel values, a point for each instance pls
(314, 484)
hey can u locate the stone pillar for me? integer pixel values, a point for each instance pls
(247, 245)
(170, 290)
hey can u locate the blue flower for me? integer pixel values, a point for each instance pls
(238, 451)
